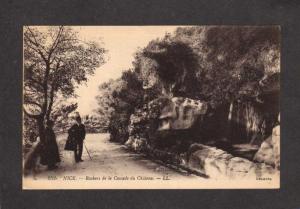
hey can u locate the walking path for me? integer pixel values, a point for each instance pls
(109, 160)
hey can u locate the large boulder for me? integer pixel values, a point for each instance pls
(162, 121)
(181, 113)
(218, 164)
(269, 151)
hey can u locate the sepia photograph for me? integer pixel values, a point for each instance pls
(151, 107)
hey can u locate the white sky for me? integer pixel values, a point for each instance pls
(121, 43)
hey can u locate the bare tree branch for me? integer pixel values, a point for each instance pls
(56, 42)
(36, 44)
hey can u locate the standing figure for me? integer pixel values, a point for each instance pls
(77, 132)
(50, 153)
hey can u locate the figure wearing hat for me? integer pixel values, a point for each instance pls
(77, 131)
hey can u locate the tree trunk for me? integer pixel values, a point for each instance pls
(50, 104)
(41, 128)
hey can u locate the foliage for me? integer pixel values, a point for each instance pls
(169, 65)
(116, 102)
(215, 64)
(94, 124)
(105, 100)
(61, 115)
(231, 57)
(55, 62)
(30, 130)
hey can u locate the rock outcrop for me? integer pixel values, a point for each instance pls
(181, 113)
(218, 164)
(269, 151)
(253, 114)
(164, 129)
(167, 115)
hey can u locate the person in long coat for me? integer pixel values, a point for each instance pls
(50, 154)
(77, 132)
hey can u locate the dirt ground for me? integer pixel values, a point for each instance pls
(108, 159)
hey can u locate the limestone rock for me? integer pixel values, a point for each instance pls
(219, 164)
(181, 113)
(269, 151)
(165, 114)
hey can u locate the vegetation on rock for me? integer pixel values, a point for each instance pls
(223, 66)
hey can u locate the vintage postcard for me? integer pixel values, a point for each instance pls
(151, 107)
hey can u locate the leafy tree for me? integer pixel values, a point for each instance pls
(55, 62)
(61, 115)
(211, 63)
(127, 98)
(170, 66)
(231, 58)
(105, 101)
(234, 62)
(117, 100)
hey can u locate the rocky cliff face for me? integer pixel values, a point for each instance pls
(183, 119)
(189, 133)
(253, 116)
(247, 122)
(269, 151)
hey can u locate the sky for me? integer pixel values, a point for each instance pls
(121, 42)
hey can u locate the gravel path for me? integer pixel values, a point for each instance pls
(109, 160)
